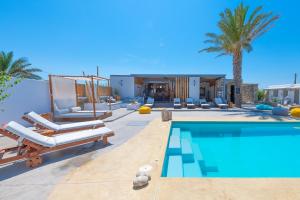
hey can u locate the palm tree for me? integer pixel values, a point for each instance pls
(17, 68)
(238, 30)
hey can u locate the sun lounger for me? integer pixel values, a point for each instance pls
(220, 103)
(150, 102)
(204, 104)
(177, 103)
(42, 123)
(31, 145)
(190, 103)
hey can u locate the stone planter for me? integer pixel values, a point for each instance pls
(166, 115)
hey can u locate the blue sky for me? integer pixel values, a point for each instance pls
(150, 36)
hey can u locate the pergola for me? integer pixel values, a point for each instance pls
(61, 87)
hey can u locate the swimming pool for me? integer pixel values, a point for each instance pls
(233, 149)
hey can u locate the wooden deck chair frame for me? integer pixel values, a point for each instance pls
(32, 152)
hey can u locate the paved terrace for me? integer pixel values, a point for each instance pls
(96, 172)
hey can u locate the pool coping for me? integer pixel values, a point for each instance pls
(104, 178)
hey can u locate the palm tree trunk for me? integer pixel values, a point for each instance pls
(237, 76)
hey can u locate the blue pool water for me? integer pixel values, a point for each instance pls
(233, 149)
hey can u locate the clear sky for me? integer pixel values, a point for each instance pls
(149, 36)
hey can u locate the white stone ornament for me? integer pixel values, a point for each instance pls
(146, 168)
(143, 173)
(140, 181)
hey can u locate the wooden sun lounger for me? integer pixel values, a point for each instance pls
(30, 148)
(43, 124)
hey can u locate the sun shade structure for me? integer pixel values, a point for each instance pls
(69, 94)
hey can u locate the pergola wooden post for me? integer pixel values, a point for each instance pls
(109, 95)
(93, 97)
(51, 94)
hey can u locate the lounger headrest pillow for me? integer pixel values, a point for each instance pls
(75, 109)
(30, 135)
(42, 121)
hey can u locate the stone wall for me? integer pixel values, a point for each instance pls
(249, 93)
(220, 87)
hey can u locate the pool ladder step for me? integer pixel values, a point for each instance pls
(175, 168)
(187, 151)
(175, 143)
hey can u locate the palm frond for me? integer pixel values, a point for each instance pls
(239, 28)
(17, 68)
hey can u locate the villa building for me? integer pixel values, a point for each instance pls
(279, 93)
(165, 87)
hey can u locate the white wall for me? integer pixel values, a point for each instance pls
(124, 85)
(29, 95)
(194, 87)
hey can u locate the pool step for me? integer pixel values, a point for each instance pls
(176, 131)
(192, 170)
(186, 134)
(187, 151)
(174, 145)
(197, 152)
(175, 167)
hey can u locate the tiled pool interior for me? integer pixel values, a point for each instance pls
(233, 149)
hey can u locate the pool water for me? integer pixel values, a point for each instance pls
(233, 149)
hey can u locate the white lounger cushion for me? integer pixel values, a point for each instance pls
(28, 134)
(79, 115)
(81, 135)
(25, 133)
(48, 124)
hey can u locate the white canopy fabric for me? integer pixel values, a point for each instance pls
(64, 92)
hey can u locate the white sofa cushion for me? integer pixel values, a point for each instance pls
(30, 135)
(60, 111)
(75, 109)
(81, 135)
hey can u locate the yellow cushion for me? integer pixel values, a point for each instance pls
(295, 112)
(145, 110)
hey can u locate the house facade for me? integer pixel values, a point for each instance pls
(279, 93)
(166, 87)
